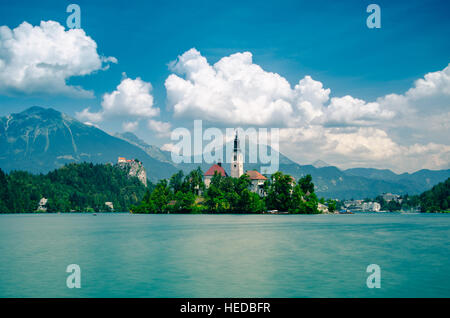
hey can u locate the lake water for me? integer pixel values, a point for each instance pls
(125, 255)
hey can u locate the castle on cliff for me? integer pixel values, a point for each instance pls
(135, 168)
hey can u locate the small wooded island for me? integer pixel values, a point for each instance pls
(224, 194)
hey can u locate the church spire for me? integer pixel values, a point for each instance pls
(237, 163)
(236, 142)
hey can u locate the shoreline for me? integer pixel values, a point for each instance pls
(212, 213)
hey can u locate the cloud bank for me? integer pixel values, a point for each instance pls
(131, 99)
(131, 102)
(399, 131)
(40, 59)
(236, 91)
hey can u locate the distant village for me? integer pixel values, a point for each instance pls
(370, 206)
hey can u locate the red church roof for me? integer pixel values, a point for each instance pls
(255, 175)
(214, 168)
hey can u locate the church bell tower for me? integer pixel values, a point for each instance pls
(237, 163)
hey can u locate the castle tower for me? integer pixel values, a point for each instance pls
(237, 163)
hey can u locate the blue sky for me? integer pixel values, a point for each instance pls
(327, 40)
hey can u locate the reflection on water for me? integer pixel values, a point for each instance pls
(124, 255)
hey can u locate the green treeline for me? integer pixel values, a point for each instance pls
(86, 187)
(75, 187)
(437, 199)
(187, 194)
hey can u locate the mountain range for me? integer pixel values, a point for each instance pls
(39, 140)
(42, 139)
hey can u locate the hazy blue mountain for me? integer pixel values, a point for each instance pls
(320, 164)
(332, 182)
(420, 181)
(42, 139)
(153, 151)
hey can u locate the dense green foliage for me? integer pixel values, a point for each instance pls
(187, 194)
(176, 196)
(227, 194)
(437, 199)
(332, 205)
(86, 187)
(284, 195)
(74, 187)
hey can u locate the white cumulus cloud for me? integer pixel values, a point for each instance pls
(131, 99)
(406, 131)
(40, 59)
(163, 129)
(349, 147)
(348, 110)
(130, 125)
(92, 117)
(171, 148)
(234, 90)
(237, 91)
(433, 83)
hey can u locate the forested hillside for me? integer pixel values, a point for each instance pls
(74, 187)
(437, 198)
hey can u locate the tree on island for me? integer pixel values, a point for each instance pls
(181, 194)
(284, 195)
(227, 194)
(279, 192)
(332, 205)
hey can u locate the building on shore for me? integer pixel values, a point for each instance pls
(42, 205)
(322, 208)
(391, 197)
(110, 205)
(360, 205)
(371, 206)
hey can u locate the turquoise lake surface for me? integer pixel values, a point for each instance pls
(125, 255)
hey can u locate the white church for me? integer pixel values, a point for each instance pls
(237, 170)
